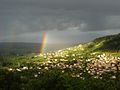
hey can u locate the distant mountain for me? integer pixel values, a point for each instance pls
(10, 48)
(21, 48)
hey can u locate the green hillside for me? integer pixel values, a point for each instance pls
(107, 43)
(91, 66)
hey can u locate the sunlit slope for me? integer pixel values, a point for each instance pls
(106, 43)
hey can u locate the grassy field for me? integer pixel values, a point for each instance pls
(83, 67)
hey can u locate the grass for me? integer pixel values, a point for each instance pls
(83, 67)
(70, 72)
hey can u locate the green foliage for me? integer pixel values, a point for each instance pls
(107, 43)
(52, 80)
(67, 69)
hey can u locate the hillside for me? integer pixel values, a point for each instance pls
(106, 43)
(82, 67)
(110, 43)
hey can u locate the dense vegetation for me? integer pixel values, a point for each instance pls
(84, 67)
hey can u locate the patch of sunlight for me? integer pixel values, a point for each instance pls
(100, 44)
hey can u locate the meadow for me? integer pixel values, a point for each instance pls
(82, 67)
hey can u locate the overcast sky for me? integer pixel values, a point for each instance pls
(64, 21)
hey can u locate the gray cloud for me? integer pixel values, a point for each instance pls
(18, 17)
(102, 6)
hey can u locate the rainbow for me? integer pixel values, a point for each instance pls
(42, 46)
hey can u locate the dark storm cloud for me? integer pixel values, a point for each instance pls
(24, 16)
(102, 6)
